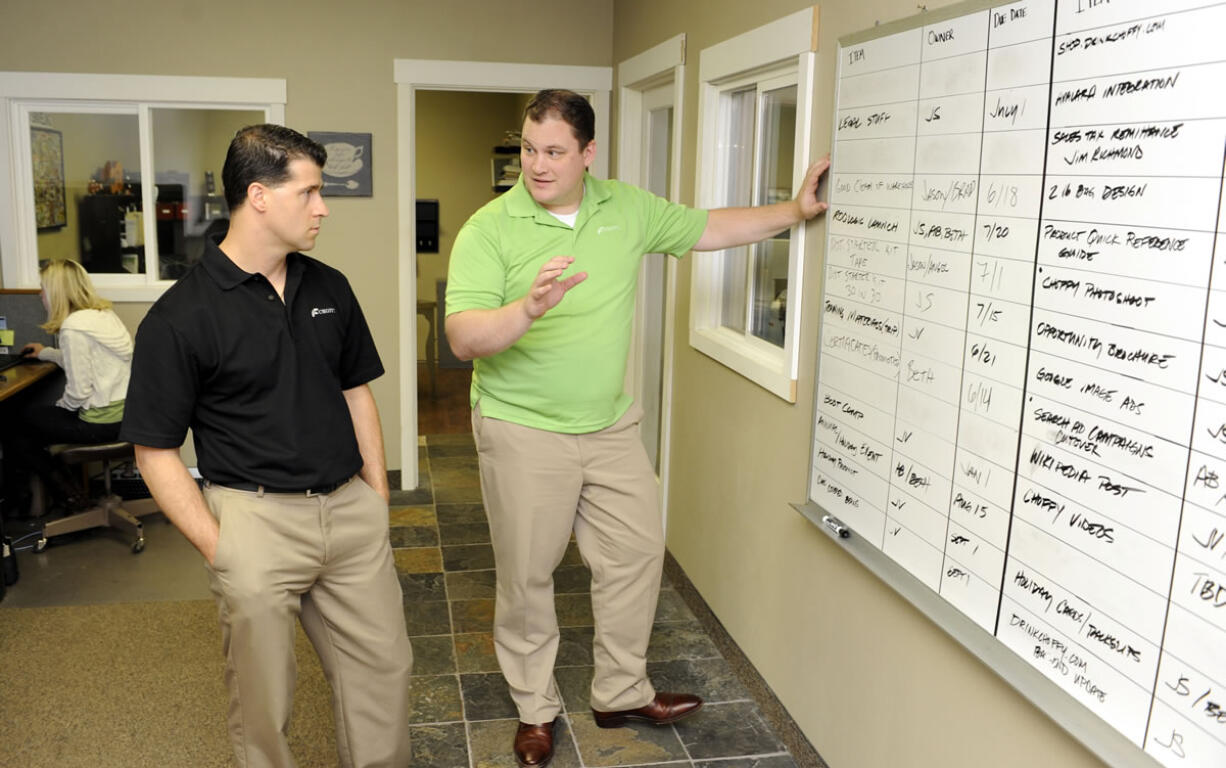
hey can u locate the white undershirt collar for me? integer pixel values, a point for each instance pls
(569, 218)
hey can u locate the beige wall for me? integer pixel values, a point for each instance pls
(337, 61)
(456, 134)
(870, 681)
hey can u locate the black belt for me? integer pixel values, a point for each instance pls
(318, 490)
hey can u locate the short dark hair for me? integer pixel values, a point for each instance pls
(568, 106)
(263, 153)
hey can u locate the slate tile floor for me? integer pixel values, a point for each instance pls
(462, 716)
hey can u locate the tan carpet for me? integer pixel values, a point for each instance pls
(132, 685)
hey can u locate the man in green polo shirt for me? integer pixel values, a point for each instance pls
(557, 435)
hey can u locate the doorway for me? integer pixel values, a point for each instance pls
(416, 75)
(464, 138)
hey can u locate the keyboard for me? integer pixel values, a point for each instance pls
(8, 361)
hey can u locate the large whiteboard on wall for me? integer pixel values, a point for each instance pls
(1021, 379)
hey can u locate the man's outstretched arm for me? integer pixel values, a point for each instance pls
(729, 227)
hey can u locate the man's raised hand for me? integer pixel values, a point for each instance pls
(810, 206)
(547, 290)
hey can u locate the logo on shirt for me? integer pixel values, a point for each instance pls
(317, 311)
(608, 228)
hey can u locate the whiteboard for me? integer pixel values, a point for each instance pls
(1021, 376)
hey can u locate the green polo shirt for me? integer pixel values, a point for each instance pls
(566, 373)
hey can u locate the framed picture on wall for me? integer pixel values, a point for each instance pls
(347, 172)
(47, 157)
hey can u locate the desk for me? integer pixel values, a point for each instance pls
(16, 379)
(19, 377)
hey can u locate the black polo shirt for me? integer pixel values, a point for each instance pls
(260, 382)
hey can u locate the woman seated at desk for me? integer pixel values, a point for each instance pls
(95, 351)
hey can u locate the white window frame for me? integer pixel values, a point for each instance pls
(22, 93)
(785, 47)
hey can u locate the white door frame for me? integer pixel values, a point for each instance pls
(410, 76)
(644, 366)
(659, 65)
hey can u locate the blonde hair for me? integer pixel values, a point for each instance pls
(67, 287)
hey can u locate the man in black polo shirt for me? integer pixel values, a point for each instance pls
(265, 354)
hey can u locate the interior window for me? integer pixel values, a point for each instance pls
(121, 173)
(87, 201)
(96, 215)
(189, 148)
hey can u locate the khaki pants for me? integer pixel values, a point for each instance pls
(538, 487)
(326, 560)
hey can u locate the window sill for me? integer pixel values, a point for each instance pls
(762, 363)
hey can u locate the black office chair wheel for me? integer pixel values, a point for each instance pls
(138, 546)
(41, 544)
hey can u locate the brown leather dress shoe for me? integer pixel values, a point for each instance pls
(534, 744)
(665, 708)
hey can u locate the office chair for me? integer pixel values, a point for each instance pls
(109, 510)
